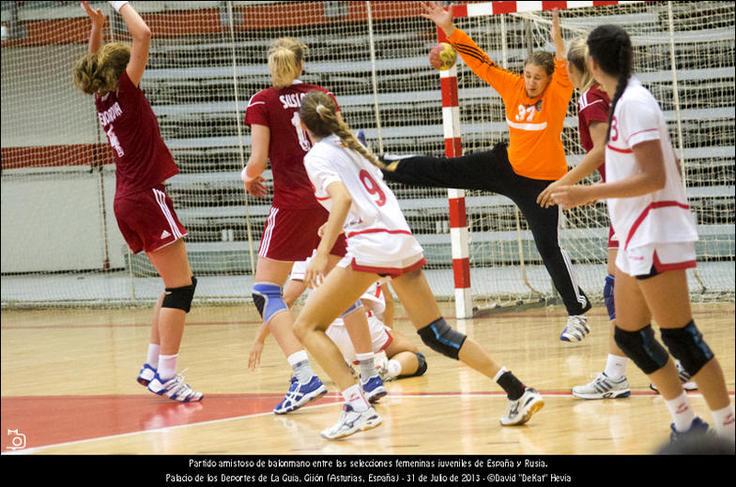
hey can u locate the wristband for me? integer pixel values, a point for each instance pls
(117, 5)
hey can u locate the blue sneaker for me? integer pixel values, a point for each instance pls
(146, 375)
(360, 135)
(697, 428)
(373, 389)
(300, 394)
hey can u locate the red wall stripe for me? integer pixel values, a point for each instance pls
(56, 155)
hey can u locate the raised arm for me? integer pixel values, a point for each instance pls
(477, 60)
(141, 35)
(98, 25)
(556, 34)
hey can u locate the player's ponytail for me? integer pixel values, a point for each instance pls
(319, 114)
(98, 72)
(576, 54)
(285, 61)
(611, 48)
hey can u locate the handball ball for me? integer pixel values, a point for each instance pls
(442, 56)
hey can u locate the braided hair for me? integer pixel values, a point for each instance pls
(611, 48)
(319, 114)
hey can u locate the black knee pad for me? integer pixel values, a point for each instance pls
(441, 338)
(687, 345)
(422, 364)
(180, 297)
(642, 348)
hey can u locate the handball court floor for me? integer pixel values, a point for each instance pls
(68, 386)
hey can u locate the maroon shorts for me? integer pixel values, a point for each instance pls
(147, 220)
(291, 235)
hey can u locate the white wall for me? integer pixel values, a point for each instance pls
(40, 105)
(54, 223)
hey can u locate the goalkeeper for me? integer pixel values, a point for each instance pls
(535, 106)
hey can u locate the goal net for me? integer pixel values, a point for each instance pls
(60, 242)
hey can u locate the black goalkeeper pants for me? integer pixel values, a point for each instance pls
(492, 171)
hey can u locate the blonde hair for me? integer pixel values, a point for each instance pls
(576, 55)
(319, 114)
(98, 72)
(285, 61)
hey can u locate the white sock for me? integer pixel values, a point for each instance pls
(354, 396)
(616, 366)
(300, 365)
(723, 422)
(366, 364)
(393, 368)
(682, 413)
(167, 366)
(152, 358)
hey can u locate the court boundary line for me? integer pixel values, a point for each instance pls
(39, 449)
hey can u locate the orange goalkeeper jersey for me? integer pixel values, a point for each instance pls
(535, 124)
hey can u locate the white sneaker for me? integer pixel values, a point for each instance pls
(146, 375)
(352, 421)
(522, 410)
(174, 388)
(603, 387)
(576, 330)
(687, 383)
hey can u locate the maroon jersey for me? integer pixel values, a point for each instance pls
(142, 160)
(278, 109)
(593, 106)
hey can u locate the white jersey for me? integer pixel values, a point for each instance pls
(660, 217)
(377, 232)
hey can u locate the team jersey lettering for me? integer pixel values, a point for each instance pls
(293, 100)
(108, 116)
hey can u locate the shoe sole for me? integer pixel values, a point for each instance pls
(377, 396)
(606, 395)
(368, 425)
(163, 394)
(529, 413)
(319, 393)
(688, 387)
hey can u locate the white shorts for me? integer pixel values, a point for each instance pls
(392, 269)
(380, 338)
(652, 259)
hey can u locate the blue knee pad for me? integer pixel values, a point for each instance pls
(353, 307)
(440, 337)
(269, 299)
(608, 296)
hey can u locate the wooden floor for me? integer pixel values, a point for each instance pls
(68, 385)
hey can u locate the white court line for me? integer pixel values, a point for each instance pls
(39, 449)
